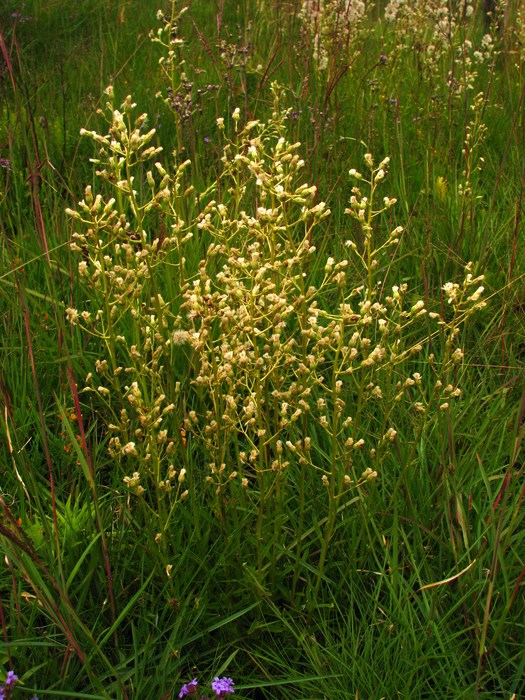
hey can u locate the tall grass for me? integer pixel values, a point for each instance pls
(262, 356)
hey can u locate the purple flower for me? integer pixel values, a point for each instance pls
(19, 17)
(6, 690)
(189, 689)
(222, 686)
(11, 679)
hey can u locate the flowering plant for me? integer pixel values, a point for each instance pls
(8, 686)
(220, 686)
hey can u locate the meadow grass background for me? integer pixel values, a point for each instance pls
(241, 435)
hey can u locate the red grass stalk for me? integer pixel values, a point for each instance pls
(43, 427)
(16, 535)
